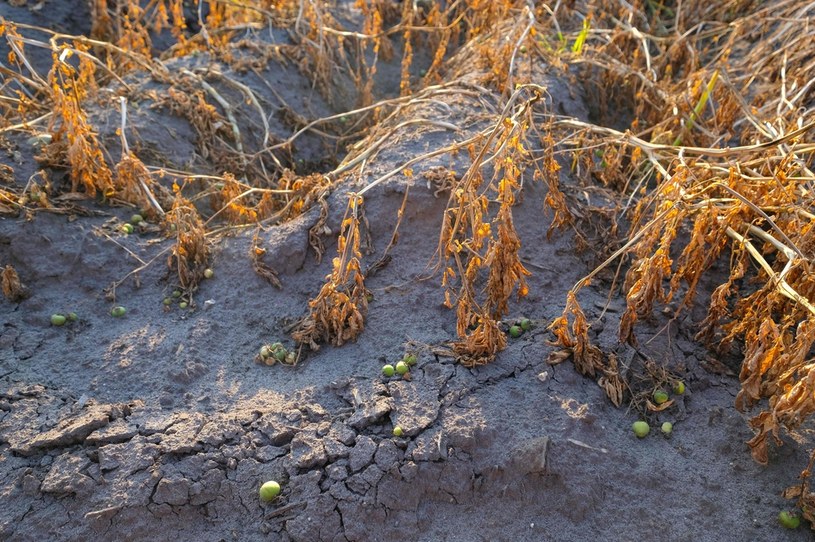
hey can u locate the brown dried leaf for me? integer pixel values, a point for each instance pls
(792, 492)
(658, 408)
(558, 356)
(13, 289)
(264, 270)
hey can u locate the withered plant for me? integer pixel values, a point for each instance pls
(478, 241)
(716, 165)
(338, 312)
(190, 254)
(74, 143)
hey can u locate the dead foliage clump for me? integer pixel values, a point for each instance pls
(479, 242)
(13, 289)
(338, 311)
(714, 164)
(74, 144)
(190, 254)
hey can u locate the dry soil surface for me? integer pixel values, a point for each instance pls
(161, 424)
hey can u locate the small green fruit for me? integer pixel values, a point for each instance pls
(269, 491)
(168, 301)
(177, 294)
(641, 428)
(402, 367)
(118, 311)
(660, 397)
(57, 319)
(388, 370)
(280, 354)
(526, 324)
(208, 273)
(667, 428)
(265, 352)
(679, 388)
(788, 520)
(183, 305)
(397, 431)
(136, 219)
(127, 229)
(515, 332)
(72, 317)
(411, 360)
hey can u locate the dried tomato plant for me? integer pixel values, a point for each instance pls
(190, 254)
(716, 164)
(479, 244)
(338, 311)
(73, 141)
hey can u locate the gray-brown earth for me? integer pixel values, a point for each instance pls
(161, 425)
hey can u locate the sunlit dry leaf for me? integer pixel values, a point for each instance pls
(558, 356)
(659, 408)
(12, 288)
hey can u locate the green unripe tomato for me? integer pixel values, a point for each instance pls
(265, 352)
(679, 388)
(136, 219)
(641, 429)
(57, 320)
(183, 305)
(526, 324)
(397, 431)
(269, 491)
(127, 229)
(388, 370)
(515, 332)
(72, 317)
(410, 359)
(401, 367)
(280, 354)
(788, 520)
(208, 273)
(168, 301)
(118, 311)
(660, 397)
(176, 293)
(667, 428)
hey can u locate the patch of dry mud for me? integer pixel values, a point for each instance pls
(161, 423)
